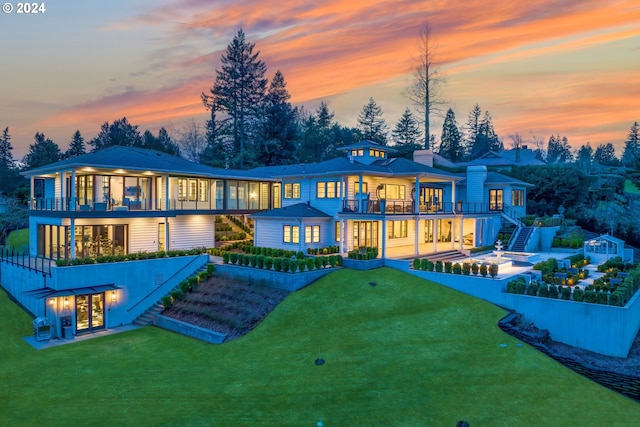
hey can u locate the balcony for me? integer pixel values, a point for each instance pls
(94, 207)
(404, 207)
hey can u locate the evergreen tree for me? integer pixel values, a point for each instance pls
(631, 153)
(162, 142)
(239, 92)
(6, 156)
(605, 155)
(279, 129)
(472, 129)
(319, 132)
(120, 132)
(584, 158)
(451, 140)
(43, 152)
(406, 135)
(371, 123)
(486, 139)
(218, 140)
(558, 150)
(76, 146)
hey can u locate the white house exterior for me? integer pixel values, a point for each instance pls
(125, 200)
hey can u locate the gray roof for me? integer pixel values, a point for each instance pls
(140, 160)
(514, 157)
(299, 210)
(342, 165)
(496, 178)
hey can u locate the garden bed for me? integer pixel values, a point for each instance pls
(227, 306)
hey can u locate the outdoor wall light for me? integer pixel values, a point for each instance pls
(52, 301)
(66, 302)
(113, 296)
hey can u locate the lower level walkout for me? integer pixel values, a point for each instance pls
(54, 241)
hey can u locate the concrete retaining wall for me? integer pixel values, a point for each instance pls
(193, 331)
(275, 279)
(357, 264)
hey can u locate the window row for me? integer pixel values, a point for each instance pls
(291, 234)
(328, 189)
(192, 190)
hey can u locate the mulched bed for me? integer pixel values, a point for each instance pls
(228, 306)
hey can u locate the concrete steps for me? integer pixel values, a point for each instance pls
(452, 255)
(521, 240)
(150, 314)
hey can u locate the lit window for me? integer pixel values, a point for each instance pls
(397, 229)
(338, 231)
(193, 189)
(295, 234)
(286, 238)
(203, 191)
(331, 189)
(292, 190)
(307, 234)
(316, 234)
(321, 190)
(182, 189)
(517, 198)
(356, 186)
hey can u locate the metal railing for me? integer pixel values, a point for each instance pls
(397, 207)
(22, 259)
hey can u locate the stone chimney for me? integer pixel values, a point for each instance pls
(424, 157)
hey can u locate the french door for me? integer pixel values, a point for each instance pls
(89, 312)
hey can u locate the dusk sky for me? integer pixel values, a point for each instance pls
(563, 67)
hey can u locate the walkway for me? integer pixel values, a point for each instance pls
(41, 345)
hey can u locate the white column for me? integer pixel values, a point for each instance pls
(416, 247)
(31, 195)
(453, 196)
(72, 238)
(342, 236)
(63, 191)
(461, 231)
(384, 239)
(72, 189)
(360, 194)
(435, 235)
(166, 192)
(416, 196)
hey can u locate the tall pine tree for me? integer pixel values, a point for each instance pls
(42, 152)
(120, 132)
(371, 123)
(239, 92)
(279, 129)
(6, 156)
(605, 155)
(631, 153)
(406, 135)
(451, 140)
(76, 146)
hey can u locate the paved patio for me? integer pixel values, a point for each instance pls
(41, 345)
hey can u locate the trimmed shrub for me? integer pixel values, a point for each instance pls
(475, 268)
(318, 262)
(299, 255)
(285, 265)
(511, 286)
(184, 286)
(532, 289)
(233, 258)
(439, 266)
(578, 295)
(457, 268)
(521, 286)
(602, 298)
(259, 261)
(483, 270)
(211, 269)
(565, 293)
(553, 291)
(293, 265)
(466, 268)
(447, 266)
(167, 302)
(277, 264)
(590, 295)
(416, 264)
(493, 270)
(302, 264)
(177, 295)
(615, 299)
(310, 263)
(268, 262)
(543, 290)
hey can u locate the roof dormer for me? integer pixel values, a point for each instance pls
(367, 152)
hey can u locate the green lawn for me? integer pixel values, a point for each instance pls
(630, 187)
(18, 239)
(405, 352)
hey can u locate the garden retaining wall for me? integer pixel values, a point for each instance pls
(599, 328)
(276, 279)
(627, 385)
(193, 331)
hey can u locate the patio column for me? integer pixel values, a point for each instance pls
(453, 196)
(384, 239)
(416, 247)
(72, 238)
(416, 196)
(342, 236)
(360, 193)
(435, 235)
(166, 192)
(461, 231)
(63, 191)
(31, 192)
(72, 189)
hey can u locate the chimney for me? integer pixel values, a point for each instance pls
(424, 157)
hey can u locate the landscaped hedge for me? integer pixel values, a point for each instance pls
(186, 286)
(323, 251)
(286, 264)
(456, 268)
(612, 294)
(137, 256)
(363, 253)
(552, 273)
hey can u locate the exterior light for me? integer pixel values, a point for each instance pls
(52, 301)
(66, 302)
(113, 296)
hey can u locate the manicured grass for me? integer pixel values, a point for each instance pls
(405, 352)
(630, 187)
(18, 239)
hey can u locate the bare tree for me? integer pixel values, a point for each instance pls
(191, 138)
(516, 141)
(425, 90)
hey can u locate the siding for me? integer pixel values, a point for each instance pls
(186, 232)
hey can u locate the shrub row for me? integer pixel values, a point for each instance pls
(614, 265)
(242, 225)
(574, 243)
(129, 257)
(363, 253)
(241, 235)
(273, 252)
(323, 251)
(186, 286)
(283, 264)
(456, 268)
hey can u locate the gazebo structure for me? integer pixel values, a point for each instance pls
(606, 247)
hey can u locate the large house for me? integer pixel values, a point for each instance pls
(125, 200)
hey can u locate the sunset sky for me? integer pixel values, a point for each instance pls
(563, 67)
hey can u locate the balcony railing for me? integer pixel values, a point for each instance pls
(128, 204)
(403, 207)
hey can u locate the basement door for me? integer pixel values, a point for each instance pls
(89, 312)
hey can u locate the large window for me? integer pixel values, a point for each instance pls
(397, 229)
(392, 192)
(517, 197)
(90, 241)
(292, 190)
(365, 234)
(203, 190)
(291, 234)
(357, 189)
(328, 189)
(312, 234)
(495, 200)
(182, 189)
(338, 232)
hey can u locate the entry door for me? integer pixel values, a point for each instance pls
(161, 234)
(89, 312)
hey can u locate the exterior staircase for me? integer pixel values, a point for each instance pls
(152, 312)
(445, 256)
(521, 240)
